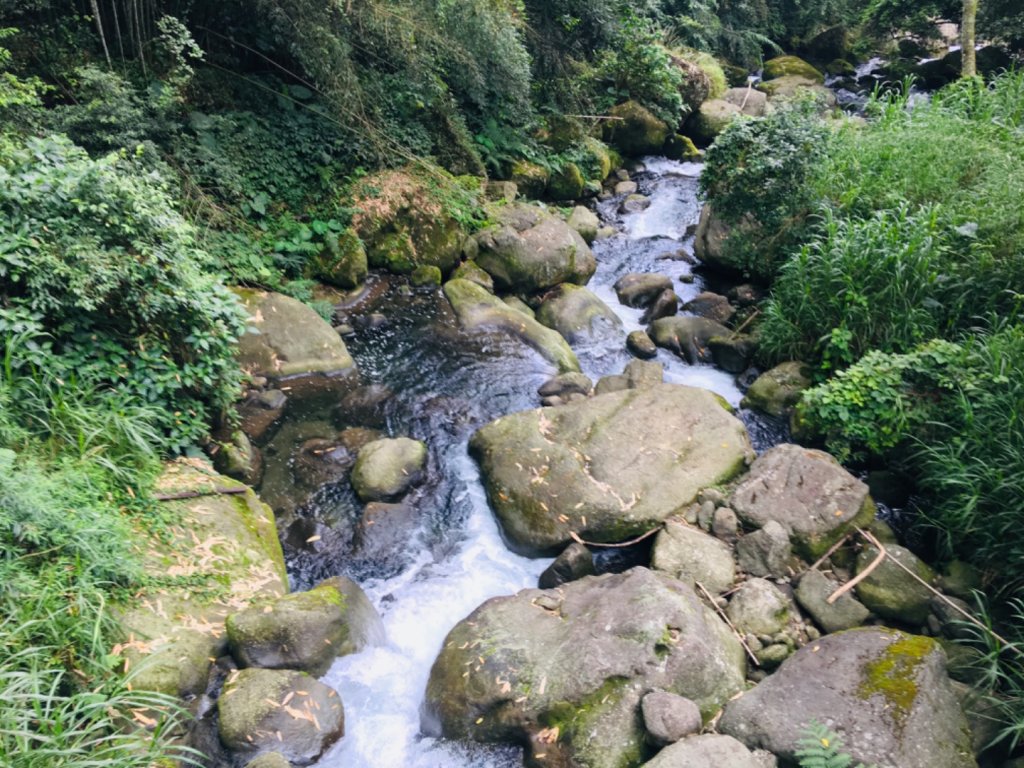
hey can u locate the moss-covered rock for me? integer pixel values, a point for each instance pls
(479, 310)
(792, 86)
(689, 337)
(387, 469)
(679, 147)
(305, 631)
(268, 710)
(567, 183)
(470, 270)
(563, 671)
(710, 120)
(777, 391)
(342, 262)
(425, 276)
(635, 131)
(691, 555)
(890, 591)
(238, 458)
(599, 160)
(576, 468)
(577, 314)
(585, 222)
(225, 542)
(530, 179)
(782, 66)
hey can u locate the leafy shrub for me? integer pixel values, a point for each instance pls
(822, 748)
(108, 279)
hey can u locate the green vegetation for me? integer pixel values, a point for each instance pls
(822, 748)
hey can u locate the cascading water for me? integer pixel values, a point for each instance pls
(444, 390)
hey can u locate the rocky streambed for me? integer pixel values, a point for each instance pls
(572, 392)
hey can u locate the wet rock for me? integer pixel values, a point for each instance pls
(779, 390)
(641, 345)
(319, 461)
(580, 658)
(269, 760)
(305, 631)
(586, 476)
(626, 188)
(479, 310)
(709, 750)
(584, 221)
(565, 384)
(669, 717)
(665, 305)
(577, 314)
(813, 592)
(749, 101)
(635, 204)
(425, 276)
(253, 719)
(614, 383)
(387, 469)
(470, 270)
(765, 552)
(636, 132)
(239, 459)
(342, 261)
(643, 375)
(529, 250)
(688, 337)
(639, 289)
(890, 591)
(759, 607)
(808, 493)
(365, 406)
(575, 562)
(712, 306)
(384, 530)
(680, 147)
(733, 353)
(691, 555)
(885, 692)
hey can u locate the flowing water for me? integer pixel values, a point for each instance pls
(446, 386)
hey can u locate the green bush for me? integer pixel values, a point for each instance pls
(107, 282)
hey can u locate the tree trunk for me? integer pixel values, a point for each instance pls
(969, 67)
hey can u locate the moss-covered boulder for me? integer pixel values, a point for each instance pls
(584, 221)
(607, 468)
(270, 710)
(777, 391)
(679, 147)
(470, 270)
(710, 120)
(478, 310)
(567, 183)
(531, 180)
(598, 160)
(886, 693)
(425, 276)
(287, 340)
(224, 542)
(890, 591)
(792, 86)
(563, 671)
(634, 131)
(305, 631)
(238, 458)
(578, 314)
(407, 219)
(781, 66)
(342, 262)
(528, 250)
(808, 493)
(387, 469)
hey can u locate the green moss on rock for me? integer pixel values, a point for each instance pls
(893, 675)
(567, 183)
(781, 66)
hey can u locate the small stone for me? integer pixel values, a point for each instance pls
(753, 643)
(386, 469)
(759, 607)
(665, 304)
(713, 495)
(626, 188)
(725, 525)
(640, 344)
(344, 330)
(669, 717)
(635, 204)
(615, 383)
(706, 514)
(269, 760)
(566, 383)
(552, 401)
(765, 552)
(771, 656)
(712, 306)
(575, 562)
(425, 276)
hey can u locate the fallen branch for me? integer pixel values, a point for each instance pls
(745, 323)
(576, 537)
(735, 631)
(882, 553)
(200, 494)
(831, 551)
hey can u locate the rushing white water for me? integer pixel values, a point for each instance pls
(383, 688)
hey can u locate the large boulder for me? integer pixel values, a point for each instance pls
(890, 591)
(608, 468)
(269, 710)
(710, 240)
(305, 630)
(808, 493)
(708, 122)
(386, 469)
(791, 86)
(884, 692)
(688, 337)
(634, 131)
(479, 310)
(567, 183)
(529, 250)
(709, 750)
(749, 101)
(342, 262)
(781, 66)
(286, 339)
(577, 314)
(563, 671)
(779, 390)
(691, 555)
(530, 179)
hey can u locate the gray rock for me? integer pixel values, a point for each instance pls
(711, 237)
(779, 390)
(712, 306)
(758, 606)
(580, 658)
(386, 469)
(639, 289)
(669, 717)
(709, 750)
(584, 221)
(566, 384)
(614, 383)
(710, 120)
(808, 493)
(470, 270)
(643, 375)
(765, 552)
(578, 314)
(626, 188)
(884, 692)
(269, 760)
(304, 630)
(665, 305)
(890, 591)
(529, 250)
(383, 533)
(751, 102)
(725, 525)
(688, 337)
(813, 592)
(479, 310)
(635, 204)
(575, 562)
(589, 475)
(254, 718)
(733, 353)
(238, 458)
(640, 344)
(691, 555)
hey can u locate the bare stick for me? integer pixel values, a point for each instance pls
(199, 494)
(831, 551)
(576, 537)
(863, 574)
(735, 631)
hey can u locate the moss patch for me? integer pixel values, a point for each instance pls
(894, 674)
